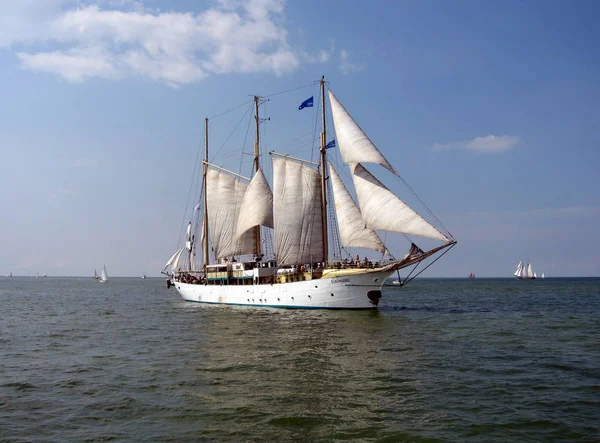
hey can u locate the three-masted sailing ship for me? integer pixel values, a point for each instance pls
(525, 271)
(239, 213)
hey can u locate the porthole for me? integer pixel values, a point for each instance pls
(376, 279)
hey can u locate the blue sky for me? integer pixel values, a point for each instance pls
(490, 111)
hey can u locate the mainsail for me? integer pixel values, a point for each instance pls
(353, 232)
(297, 213)
(224, 196)
(257, 206)
(381, 209)
(354, 144)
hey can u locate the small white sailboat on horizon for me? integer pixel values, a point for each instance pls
(103, 275)
(525, 272)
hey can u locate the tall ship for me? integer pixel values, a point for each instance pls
(525, 271)
(291, 242)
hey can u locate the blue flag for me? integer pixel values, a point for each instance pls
(308, 103)
(331, 144)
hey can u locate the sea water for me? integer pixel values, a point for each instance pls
(441, 360)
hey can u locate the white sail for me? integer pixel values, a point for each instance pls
(519, 268)
(529, 271)
(175, 264)
(381, 209)
(257, 206)
(103, 275)
(171, 261)
(224, 198)
(353, 143)
(353, 232)
(297, 213)
(543, 276)
(188, 237)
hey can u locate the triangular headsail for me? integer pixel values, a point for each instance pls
(257, 206)
(383, 210)
(353, 232)
(173, 261)
(519, 268)
(354, 144)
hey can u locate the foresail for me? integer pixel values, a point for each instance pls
(519, 268)
(353, 232)
(175, 264)
(297, 213)
(257, 206)
(381, 209)
(170, 262)
(353, 143)
(224, 198)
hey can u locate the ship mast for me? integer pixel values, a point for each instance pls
(324, 176)
(205, 219)
(256, 163)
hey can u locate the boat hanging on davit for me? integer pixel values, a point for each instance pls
(285, 243)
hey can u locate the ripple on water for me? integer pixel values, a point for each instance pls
(442, 360)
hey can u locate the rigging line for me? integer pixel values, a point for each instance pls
(231, 133)
(187, 203)
(232, 109)
(425, 268)
(314, 136)
(196, 199)
(425, 206)
(289, 90)
(244, 143)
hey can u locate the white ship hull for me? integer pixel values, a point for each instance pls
(345, 292)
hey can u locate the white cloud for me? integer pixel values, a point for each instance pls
(119, 38)
(345, 66)
(489, 143)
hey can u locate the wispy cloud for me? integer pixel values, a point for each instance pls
(345, 65)
(63, 192)
(120, 38)
(489, 143)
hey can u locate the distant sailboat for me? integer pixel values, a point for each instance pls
(471, 275)
(95, 277)
(543, 276)
(143, 276)
(525, 272)
(103, 275)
